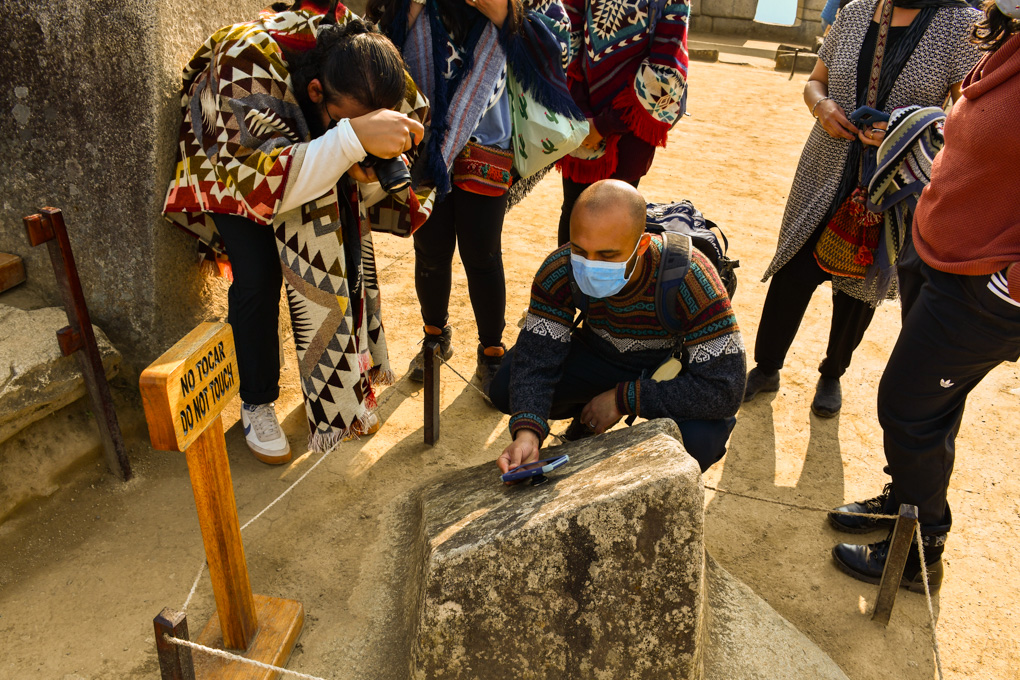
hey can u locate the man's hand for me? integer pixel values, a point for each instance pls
(386, 133)
(594, 137)
(523, 450)
(601, 413)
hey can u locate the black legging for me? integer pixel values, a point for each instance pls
(789, 293)
(253, 305)
(475, 222)
(571, 191)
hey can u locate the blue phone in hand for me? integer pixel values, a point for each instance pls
(539, 467)
(867, 117)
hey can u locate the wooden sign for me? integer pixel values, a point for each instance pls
(183, 392)
(185, 389)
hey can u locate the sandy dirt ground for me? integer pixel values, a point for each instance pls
(83, 572)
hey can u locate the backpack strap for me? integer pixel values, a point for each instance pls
(673, 267)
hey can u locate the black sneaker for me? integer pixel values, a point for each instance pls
(853, 524)
(866, 562)
(759, 381)
(416, 369)
(828, 398)
(487, 368)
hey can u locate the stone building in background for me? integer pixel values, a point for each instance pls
(736, 18)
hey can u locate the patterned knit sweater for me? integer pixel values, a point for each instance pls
(630, 59)
(625, 329)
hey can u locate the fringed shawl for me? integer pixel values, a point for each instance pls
(631, 57)
(534, 46)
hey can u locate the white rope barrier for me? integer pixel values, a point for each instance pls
(234, 657)
(920, 553)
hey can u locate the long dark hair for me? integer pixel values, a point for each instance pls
(994, 29)
(353, 60)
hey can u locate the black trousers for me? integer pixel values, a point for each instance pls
(789, 293)
(571, 191)
(587, 375)
(253, 305)
(955, 330)
(475, 223)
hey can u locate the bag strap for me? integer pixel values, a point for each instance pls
(674, 264)
(880, 45)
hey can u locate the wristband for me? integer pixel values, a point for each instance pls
(816, 105)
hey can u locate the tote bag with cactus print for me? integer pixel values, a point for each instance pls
(540, 137)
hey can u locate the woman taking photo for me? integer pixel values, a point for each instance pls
(961, 305)
(924, 55)
(278, 113)
(460, 51)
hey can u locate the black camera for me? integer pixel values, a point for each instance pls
(392, 173)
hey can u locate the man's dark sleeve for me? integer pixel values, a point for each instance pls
(542, 346)
(711, 385)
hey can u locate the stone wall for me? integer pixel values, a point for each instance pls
(90, 99)
(736, 17)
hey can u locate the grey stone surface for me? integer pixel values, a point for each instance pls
(35, 378)
(597, 574)
(749, 640)
(90, 97)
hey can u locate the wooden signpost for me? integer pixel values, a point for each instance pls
(183, 393)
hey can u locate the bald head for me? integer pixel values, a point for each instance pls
(610, 201)
(607, 221)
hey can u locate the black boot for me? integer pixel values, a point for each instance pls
(760, 381)
(828, 398)
(487, 367)
(852, 524)
(416, 370)
(866, 562)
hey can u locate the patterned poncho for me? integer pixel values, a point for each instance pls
(242, 137)
(631, 58)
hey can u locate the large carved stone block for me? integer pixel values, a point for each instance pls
(595, 575)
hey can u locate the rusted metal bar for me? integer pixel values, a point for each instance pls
(895, 563)
(175, 661)
(431, 350)
(78, 338)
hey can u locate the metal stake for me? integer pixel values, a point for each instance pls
(895, 563)
(431, 350)
(174, 661)
(78, 338)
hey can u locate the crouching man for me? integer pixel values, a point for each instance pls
(601, 370)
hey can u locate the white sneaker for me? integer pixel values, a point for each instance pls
(263, 433)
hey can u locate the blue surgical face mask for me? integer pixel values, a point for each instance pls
(599, 279)
(1010, 8)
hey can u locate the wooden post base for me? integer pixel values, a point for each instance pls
(279, 625)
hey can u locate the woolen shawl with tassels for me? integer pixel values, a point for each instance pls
(532, 43)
